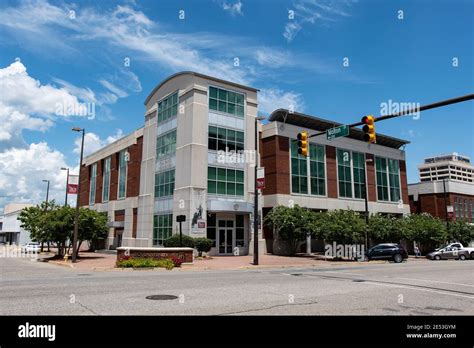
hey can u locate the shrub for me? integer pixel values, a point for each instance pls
(203, 245)
(146, 263)
(173, 241)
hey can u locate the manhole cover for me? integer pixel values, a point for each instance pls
(296, 274)
(161, 297)
(358, 280)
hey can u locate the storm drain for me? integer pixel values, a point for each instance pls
(161, 297)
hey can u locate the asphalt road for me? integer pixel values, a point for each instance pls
(411, 288)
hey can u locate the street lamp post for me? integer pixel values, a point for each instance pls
(255, 204)
(47, 194)
(76, 217)
(367, 160)
(67, 184)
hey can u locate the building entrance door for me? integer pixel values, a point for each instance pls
(226, 237)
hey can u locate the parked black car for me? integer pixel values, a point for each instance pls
(387, 251)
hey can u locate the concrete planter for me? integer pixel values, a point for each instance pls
(185, 254)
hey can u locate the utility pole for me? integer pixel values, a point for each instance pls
(67, 185)
(76, 217)
(255, 203)
(367, 160)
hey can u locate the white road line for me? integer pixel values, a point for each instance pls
(414, 288)
(436, 281)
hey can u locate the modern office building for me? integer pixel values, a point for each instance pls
(172, 167)
(195, 156)
(337, 174)
(446, 188)
(10, 230)
(452, 167)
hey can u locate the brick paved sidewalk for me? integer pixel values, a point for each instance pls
(106, 262)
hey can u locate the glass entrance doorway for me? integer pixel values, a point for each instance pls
(226, 237)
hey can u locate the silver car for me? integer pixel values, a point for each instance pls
(448, 253)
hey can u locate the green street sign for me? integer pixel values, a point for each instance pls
(337, 132)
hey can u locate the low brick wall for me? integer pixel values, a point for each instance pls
(185, 254)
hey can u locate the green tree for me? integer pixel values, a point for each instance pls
(292, 224)
(203, 245)
(385, 229)
(92, 227)
(460, 231)
(425, 229)
(342, 226)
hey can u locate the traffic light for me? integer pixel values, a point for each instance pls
(369, 129)
(303, 143)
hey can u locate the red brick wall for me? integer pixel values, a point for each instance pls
(85, 186)
(331, 171)
(133, 169)
(113, 177)
(276, 160)
(371, 184)
(434, 204)
(403, 181)
(99, 182)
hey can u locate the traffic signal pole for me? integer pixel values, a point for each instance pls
(411, 111)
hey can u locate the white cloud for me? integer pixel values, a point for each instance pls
(92, 142)
(273, 58)
(315, 12)
(23, 169)
(26, 103)
(273, 98)
(233, 8)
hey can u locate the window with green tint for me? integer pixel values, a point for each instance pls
(166, 144)
(225, 181)
(226, 101)
(317, 170)
(168, 107)
(164, 184)
(358, 170)
(92, 184)
(162, 228)
(344, 173)
(382, 181)
(394, 179)
(106, 180)
(122, 184)
(222, 138)
(299, 170)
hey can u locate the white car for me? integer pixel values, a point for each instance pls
(459, 246)
(32, 247)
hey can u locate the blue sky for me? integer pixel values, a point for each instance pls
(50, 54)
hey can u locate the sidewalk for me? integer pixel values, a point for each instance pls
(106, 262)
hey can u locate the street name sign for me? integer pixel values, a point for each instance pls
(336, 132)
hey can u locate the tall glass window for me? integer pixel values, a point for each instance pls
(394, 180)
(166, 144)
(122, 184)
(92, 184)
(300, 182)
(168, 107)
(388, 179)
(344, 173)
(225, 181)
(162, 228)
(164, 183)
(358, 170)
(299, 170)
(317, 170)
(226, 101)
(106, 180)
(222, 138)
